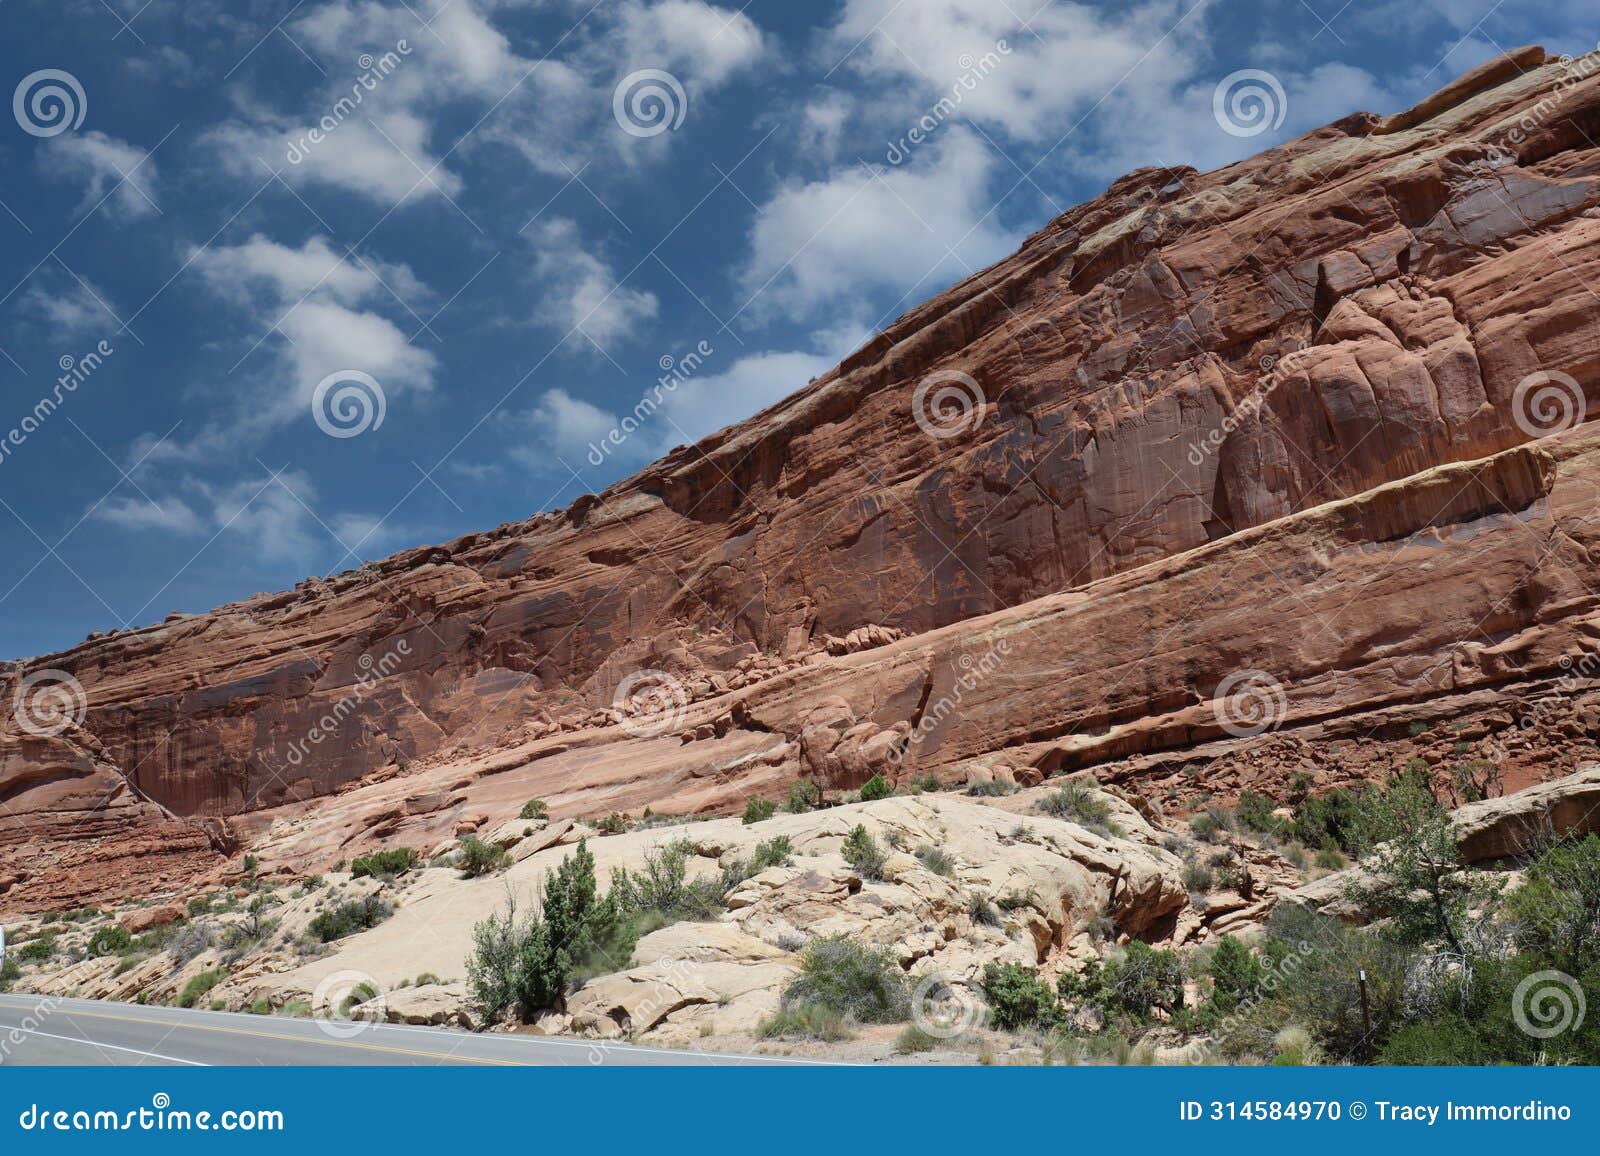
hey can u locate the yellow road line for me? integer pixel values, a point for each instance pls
(204, 1027)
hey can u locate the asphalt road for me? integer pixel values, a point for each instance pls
(35, 1030)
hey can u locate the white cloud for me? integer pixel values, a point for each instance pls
(69, 307)
(109, 169)
(325, 310)
(174, 516)
(579, 291)
(274, 517)
(671, 412)
(690, 38)
(831, 244)
(1028, 81)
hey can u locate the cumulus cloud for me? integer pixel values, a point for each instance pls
(274, 516)
(829, 244)
(578, 291)
(313, 312)
(110, 170)
(676, 410)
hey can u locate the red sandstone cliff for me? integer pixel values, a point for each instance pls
(1174, 381)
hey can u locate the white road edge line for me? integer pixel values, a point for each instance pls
(97, 1044)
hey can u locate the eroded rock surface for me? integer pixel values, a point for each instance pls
(1261, 418)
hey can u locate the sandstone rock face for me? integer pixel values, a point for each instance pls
(1269, 418)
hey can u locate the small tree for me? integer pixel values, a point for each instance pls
(875, 788)
(1235, 973)
(1415, 868)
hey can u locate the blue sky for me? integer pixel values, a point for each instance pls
(532, 208)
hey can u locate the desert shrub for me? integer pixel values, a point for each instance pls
(983, 909)
(10, 971)
(991, 788)
(475, 858)
(615, 823)
(923, 784)
(862, 852)
(199, 985)
(875, 788)
(773, 852)
(913, 1039)
(111, 940)
(189, 941)
(1131, 986)
(1557, 907)
(1198, 879)
(757, 810)
(811, 1023)
(937, 860)
(1018, 998)
(534, 809)
(855, 980)
(1204, 826)
(349, 917)
(1235, 973)
(804, 795)
(527, 965)
(1255, 813)
(388, 862)
(1327, 820)
(1080, 805)
(36, 950)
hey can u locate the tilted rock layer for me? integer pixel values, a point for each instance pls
(1270, 417)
